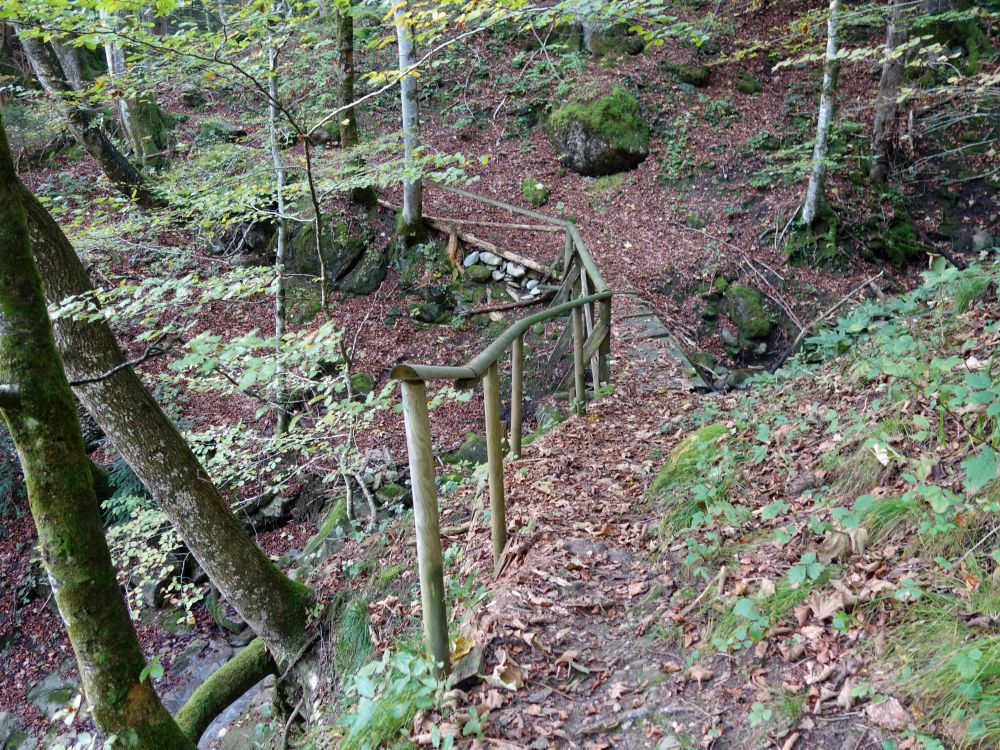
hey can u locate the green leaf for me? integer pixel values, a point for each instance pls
(980, 469)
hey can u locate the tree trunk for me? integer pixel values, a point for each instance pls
(115, 166)
(363, 195)
(273, 605)
(142, 120)
(886, 131)
(69, 59)
(410, 224)
(43, 425)
(280, 316)
(827, 105)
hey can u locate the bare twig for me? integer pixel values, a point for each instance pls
(718, 580)
(153, 350)
(803, 331)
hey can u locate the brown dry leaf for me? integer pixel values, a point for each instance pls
(700, 674)
(889, 714)
(639, 587)
(509, 676)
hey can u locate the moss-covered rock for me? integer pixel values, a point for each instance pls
(746, 309)
(362, 383)
(601, 136)
(534, 192)
(693, 452)
(214, 129)
(391, 494)
(693, 75)
(479, 273)
(472, 451)
(748, 84)
(614, 39)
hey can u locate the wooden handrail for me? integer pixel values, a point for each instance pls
(469, 374)
(583, 288)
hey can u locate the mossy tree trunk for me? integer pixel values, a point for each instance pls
(885, 139)
(42, 421)
(142, 120)
(410, 223)
(827, 107)
(276, 607)
(80, 118)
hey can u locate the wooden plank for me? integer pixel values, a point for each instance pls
(494, 458)
(567, 286)
(562, 345)
(425, 519)
(588, 316)
(497, 203)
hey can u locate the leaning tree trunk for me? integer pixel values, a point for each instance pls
(410, 224)
(885, 138)
(113, 163)
(41, 415)
(827, 105)
(275, 607)
(69, 59)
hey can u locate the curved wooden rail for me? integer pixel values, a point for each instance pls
(585, 298)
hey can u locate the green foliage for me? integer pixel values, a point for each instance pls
(385, 695)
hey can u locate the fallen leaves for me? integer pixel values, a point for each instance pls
(889, 714)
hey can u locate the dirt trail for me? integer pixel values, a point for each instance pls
(581, 609)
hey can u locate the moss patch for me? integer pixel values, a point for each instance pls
(687, 456)
(534, 192)
(745, 308)
(601, 136)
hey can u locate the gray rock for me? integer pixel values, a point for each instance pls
(472, 451)
(531, 284)
(516, 271)
(52, 694)
(498, 275)
(535, 292)
(490, 259)
(471, 259)
(12, 735)
(982, 240)
(425, 312)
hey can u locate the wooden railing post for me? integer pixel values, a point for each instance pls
(494, 457)
(604, 353)
(425, 518)
(516, 394)
(581, 392)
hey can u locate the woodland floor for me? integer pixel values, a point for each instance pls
(572, 605)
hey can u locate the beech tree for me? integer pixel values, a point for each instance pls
(38, 407)
(410, 224)
(275, 607)
(81, 120)
(827, 106)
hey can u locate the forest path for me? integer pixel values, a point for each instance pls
(582, 576)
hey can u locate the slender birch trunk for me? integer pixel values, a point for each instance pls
(113, 163)
(827, 106)
(410, 225)
(40, 413)
(885, 138)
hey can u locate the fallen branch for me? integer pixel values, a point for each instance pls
(803, 331)
(544, 297)
(446, 226)
(371, 502)
(718, 580)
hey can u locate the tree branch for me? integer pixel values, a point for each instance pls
(153, 350)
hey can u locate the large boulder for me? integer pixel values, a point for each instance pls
(601, 136)
(350, 260)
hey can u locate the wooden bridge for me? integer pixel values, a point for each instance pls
(586, 299)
